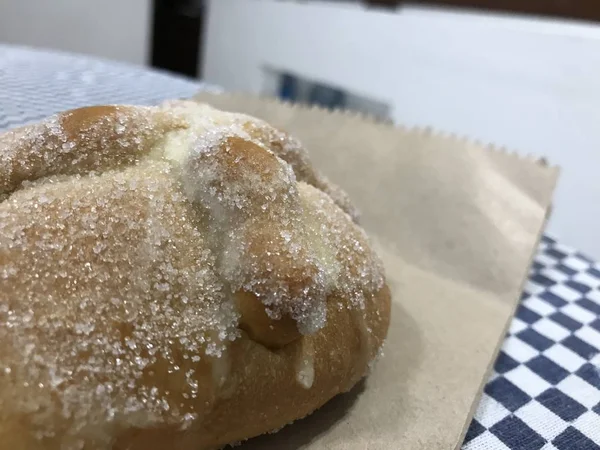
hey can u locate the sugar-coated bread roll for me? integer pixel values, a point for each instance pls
(174, 277)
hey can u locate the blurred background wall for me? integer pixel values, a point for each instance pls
(114, 29)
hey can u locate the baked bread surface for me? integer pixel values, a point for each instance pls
(174, 277)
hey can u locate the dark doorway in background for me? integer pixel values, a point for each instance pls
(176, 36)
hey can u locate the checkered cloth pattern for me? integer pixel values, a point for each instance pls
(35, 84)
(545, 389)
(544, 392)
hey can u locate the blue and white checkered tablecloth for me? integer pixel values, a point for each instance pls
(545, 389)
(544, 392)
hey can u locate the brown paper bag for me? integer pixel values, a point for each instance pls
(456, 225)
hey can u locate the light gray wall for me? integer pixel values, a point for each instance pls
(114, 29)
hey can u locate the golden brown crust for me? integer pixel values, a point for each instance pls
(291, 151)
(267, 394)
(271, 333)
(78, 141)
(168, 282)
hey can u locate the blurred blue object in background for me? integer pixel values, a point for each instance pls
(296, 89)
(327, 97)
(288, 87)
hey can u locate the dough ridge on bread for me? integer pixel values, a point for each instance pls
(174, 277)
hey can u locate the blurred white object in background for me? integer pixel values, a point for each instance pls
(114, 29)
(528, 84)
